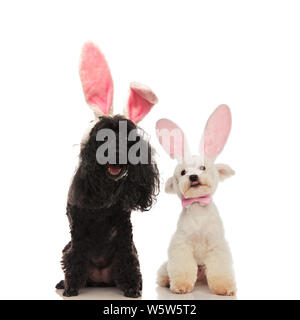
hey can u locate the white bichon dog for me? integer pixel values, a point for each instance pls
(198, 249)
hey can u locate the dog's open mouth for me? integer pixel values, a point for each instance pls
(195, 184)
(196, 189)
(116, 171)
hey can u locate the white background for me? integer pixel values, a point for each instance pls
(195, 55)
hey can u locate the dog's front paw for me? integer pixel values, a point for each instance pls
(70, 292)
(222, 286)
(60, 285)
(181, 287)
(132, 293)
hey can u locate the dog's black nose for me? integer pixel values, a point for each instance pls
(193, 177)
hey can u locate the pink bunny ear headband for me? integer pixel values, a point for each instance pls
(97, 86)
(215, 135)
(214, 138)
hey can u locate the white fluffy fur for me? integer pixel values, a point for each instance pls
(198, 248)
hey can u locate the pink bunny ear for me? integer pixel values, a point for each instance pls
(216, 131)
(141, 100)
(172, 138)
(96, 79)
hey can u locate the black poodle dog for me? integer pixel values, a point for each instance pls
(101, 197)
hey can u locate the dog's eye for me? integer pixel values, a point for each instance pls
(183, 172)
(202, 168)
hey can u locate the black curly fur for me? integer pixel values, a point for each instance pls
(98, 210)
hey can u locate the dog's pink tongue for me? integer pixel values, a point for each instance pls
(114, 170)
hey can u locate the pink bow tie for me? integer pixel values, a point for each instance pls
(204, 200)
